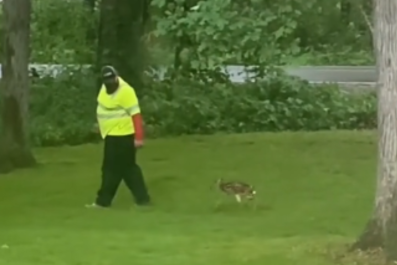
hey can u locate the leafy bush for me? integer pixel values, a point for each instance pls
(215, 32)
(277, 104)
(63, 109)
(63, 32)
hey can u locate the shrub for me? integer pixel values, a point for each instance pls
(63, 109)
(63, 32)
(276, 104)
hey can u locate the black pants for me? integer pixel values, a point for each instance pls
(119, 163)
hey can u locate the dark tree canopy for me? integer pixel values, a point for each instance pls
(122, 25)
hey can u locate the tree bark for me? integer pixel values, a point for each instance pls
(120, 44)
(381, 231)
(371, 238)
(15, 86)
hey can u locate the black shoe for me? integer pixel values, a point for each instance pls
(144, 203)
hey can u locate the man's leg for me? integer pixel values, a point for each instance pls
(110, 177)
(133, 176)
(136, 183)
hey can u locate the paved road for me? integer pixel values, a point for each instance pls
(320, 74)
(347, 74)
(317, 74)
(314, 74)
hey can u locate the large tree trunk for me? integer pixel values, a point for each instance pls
(15, 86)
(381, 231)
(122, 25)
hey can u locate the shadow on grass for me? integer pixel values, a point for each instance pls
(248, 207)
(341, 254)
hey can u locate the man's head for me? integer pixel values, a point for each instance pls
(110, 79)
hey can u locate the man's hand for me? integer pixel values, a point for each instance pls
(138, 143)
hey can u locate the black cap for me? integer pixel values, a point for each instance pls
(108, 72)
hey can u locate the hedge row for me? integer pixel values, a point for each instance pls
(63, 109)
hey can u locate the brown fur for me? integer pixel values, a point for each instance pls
(238, 189)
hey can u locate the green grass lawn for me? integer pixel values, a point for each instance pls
(315, 193)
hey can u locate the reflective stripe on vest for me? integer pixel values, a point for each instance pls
(134, 109)
(115, 113)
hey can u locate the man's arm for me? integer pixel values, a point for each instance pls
(130, 103)
(138, 125)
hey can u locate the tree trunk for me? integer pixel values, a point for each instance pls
(122, 25)
(371, 238)
(381, 231)
(15, 86)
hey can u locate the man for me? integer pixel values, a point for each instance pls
(121, 127)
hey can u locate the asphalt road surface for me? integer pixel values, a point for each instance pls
(314, 74)
(320, 74)
(347, 74)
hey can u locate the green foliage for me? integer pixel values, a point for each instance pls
(209, 33)
(282, 32)
(262, 33)
(63, 32)
(63, 109)
(279, 103)
(216, 33)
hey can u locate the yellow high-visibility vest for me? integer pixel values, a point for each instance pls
(114, 111)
